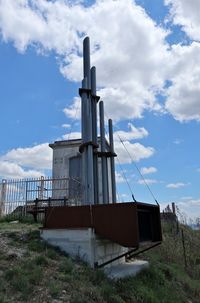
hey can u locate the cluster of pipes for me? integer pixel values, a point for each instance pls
(89, 146)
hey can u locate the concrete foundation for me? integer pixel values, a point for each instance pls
(126, 269)
(85, 245)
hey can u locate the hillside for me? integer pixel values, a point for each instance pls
(31, 271)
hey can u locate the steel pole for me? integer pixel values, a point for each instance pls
(88, 170)
(94, 132)
(103, 158)
(84, 105)
(112, 160)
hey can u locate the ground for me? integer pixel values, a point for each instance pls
(32, 271)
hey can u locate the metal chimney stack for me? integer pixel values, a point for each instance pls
(89, 146)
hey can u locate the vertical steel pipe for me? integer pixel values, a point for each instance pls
(84, 131)
(86, 60)
(103, 158)
(87, 155)
(94, 132)
(112, 160)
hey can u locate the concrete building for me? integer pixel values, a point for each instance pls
(67, 162)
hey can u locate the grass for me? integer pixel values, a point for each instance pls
(44, 274)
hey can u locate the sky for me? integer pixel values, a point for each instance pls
(147, 55)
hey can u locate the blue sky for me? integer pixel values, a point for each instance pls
(147, 55)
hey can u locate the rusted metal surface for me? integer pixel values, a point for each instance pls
(67, 217)
(127, 224)
(117, 222)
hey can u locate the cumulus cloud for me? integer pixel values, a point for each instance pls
(132, 134)
(74, 110)
(15, 171)
(119, 177)
(66, 125)
(136, 151)
(189, 202)
(183, 100)
(127, 78)
(148, 170)
(132, 68)
(186, 14)
(37, 157)
(147, 181)
(72, 135)
(176, 185)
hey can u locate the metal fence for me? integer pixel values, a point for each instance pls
(17, 195)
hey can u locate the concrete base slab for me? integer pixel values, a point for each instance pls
(84, 244)
(126, 269)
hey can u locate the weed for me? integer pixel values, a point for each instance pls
(37, 246)
(76, 298)
(51, 254)
(22, 278)
(66, 266)
(54, 289)
(41, 260)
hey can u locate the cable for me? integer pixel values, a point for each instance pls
(125, 178)
(136, 168)
(139, 171)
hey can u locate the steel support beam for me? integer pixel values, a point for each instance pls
(104, 167)
(112, 160)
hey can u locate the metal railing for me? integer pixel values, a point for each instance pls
(17, 195)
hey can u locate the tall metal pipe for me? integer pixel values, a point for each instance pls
(103, 158)
(94, 132)
(112, 161)
(87, 154)
(84, 131)
(86, 60)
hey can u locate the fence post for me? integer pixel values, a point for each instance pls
(184, 252)
(49, 202)
(3, 196)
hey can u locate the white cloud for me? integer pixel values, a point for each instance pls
(147, 181)
(37, 157)
(183, 100)
(66, 125)
(134, 133)
(186, 14)
(137, 151)
(74, 110)
(178, 141)
(127, 78)
(14, 171)
(148, 170)
(72, 135)
(198, 170)
(176, 185)
(130, 51)
(119, 177)
(189, 202)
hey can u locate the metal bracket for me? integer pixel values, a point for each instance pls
(130, 254)
(83, 145)
(84, 90)
(105, 154)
